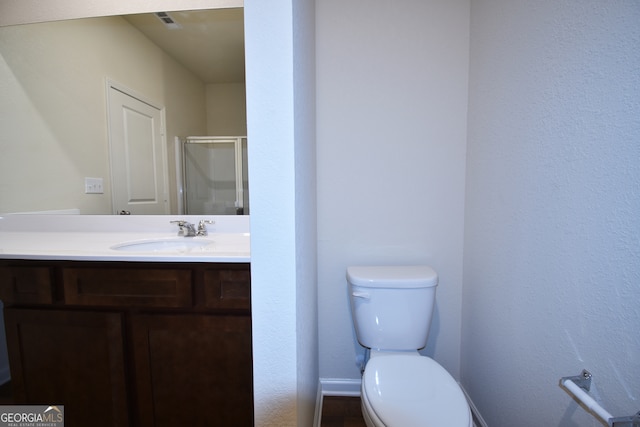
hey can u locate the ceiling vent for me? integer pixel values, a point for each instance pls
(168, 21)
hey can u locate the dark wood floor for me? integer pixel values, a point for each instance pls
(336, 411)
(341, 412)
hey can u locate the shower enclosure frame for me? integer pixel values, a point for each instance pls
(241, 204)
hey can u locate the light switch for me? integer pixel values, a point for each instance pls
(93, 186)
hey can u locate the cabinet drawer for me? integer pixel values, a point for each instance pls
(227, 289)
(131, 287)
(26, 285)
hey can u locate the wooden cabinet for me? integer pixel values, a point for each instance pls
(131, 344)
(73, 358)
(171, 392)
(23, 284)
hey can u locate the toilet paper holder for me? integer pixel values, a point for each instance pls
(578, 386)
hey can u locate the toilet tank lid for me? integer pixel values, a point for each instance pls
(407, 276)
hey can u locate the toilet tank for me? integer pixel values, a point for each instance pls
(392, 306)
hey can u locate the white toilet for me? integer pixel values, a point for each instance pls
(392, 309)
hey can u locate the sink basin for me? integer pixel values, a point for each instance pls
(176, 245)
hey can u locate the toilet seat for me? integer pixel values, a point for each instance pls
(412, 391)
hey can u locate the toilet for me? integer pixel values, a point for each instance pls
(392, 308)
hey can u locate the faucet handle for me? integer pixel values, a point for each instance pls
(202, 228)
(181, 224)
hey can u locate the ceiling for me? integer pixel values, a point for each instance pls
(210, 43)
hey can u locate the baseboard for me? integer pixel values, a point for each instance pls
(340, 387)
(334, 387)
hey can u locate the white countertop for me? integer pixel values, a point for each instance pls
(93, 238)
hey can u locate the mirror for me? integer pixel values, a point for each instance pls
(54, 78)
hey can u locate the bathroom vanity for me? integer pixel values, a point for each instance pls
(121, 338)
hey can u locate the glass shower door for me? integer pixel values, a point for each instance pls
(214, 176)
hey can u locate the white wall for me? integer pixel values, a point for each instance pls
(392, 103)
(279, 39)
(304, 90)
(552, 240)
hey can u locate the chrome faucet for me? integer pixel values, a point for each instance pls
(202, 228)
(186, 229)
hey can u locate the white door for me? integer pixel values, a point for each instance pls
(139, 179)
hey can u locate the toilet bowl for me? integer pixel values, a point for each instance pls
(392, 309)
(411, 390)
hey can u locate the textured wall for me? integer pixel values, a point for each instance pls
(283, 254)
(392, 103)
(552, 228)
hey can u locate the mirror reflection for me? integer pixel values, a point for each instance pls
(95, 112)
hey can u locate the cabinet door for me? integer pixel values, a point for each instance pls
(71, 358)
(193, 370)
